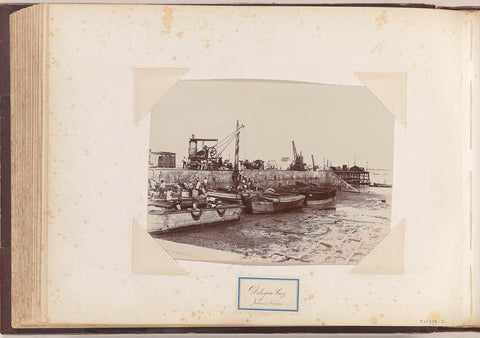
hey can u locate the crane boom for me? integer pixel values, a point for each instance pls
(294, 152)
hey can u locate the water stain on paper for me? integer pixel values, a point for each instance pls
(167, 18)
(381, 20)
(434, 316)
(378, 48)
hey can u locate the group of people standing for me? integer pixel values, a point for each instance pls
(247, 183)
(194, 188)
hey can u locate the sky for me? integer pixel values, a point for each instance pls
(339, 123)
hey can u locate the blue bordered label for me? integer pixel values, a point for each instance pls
(268, 294)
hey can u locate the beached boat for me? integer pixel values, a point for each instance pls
(315, 195)
(318, 197)
(381, 185)
(185, 202)
(230, 195)
(225, 194)
(164, 220)
(269, 203)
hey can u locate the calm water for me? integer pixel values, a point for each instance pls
(381, 176)
(341, 234)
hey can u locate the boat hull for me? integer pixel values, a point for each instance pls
(225, 196)
(322, 202)
(314, 195)
(174, 220)
(273, 205)
(231, 196)
(317, 198)
(381, 185)
(184, 203)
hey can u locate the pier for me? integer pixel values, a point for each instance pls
(354, 176)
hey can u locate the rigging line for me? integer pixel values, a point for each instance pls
(224, 140)
(225, 144)
(222, 148)
(228, 140)
(232, 134)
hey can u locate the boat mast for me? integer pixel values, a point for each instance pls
(235, 175)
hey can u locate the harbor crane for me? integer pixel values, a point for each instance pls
(315, 167)
(297, 164)
(209, 156)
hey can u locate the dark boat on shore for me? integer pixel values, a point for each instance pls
(314, 194)
(271, 202)
(381, 185)
(319, 197)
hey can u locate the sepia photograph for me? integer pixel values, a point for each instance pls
(274, 171)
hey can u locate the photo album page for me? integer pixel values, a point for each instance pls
(259, 166)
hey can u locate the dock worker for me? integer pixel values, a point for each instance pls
(205, 183)
(190, 189)
(249, 183)
(195, 196)
(162, 187)
(151, 187)
(169, 194)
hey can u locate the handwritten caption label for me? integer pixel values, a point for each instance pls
(268, 294)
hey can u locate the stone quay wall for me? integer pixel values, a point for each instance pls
(266, 178)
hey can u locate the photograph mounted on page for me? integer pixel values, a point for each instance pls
(274, 171)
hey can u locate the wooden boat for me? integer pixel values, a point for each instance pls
(315, 195)
(381, 185)
(318, 197)
(270, 202)
(230, 195)
(225, 194)
(185, 202)
(164, 220)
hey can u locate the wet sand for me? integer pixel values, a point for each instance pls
(343, 233)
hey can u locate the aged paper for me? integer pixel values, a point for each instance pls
(97, 159)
